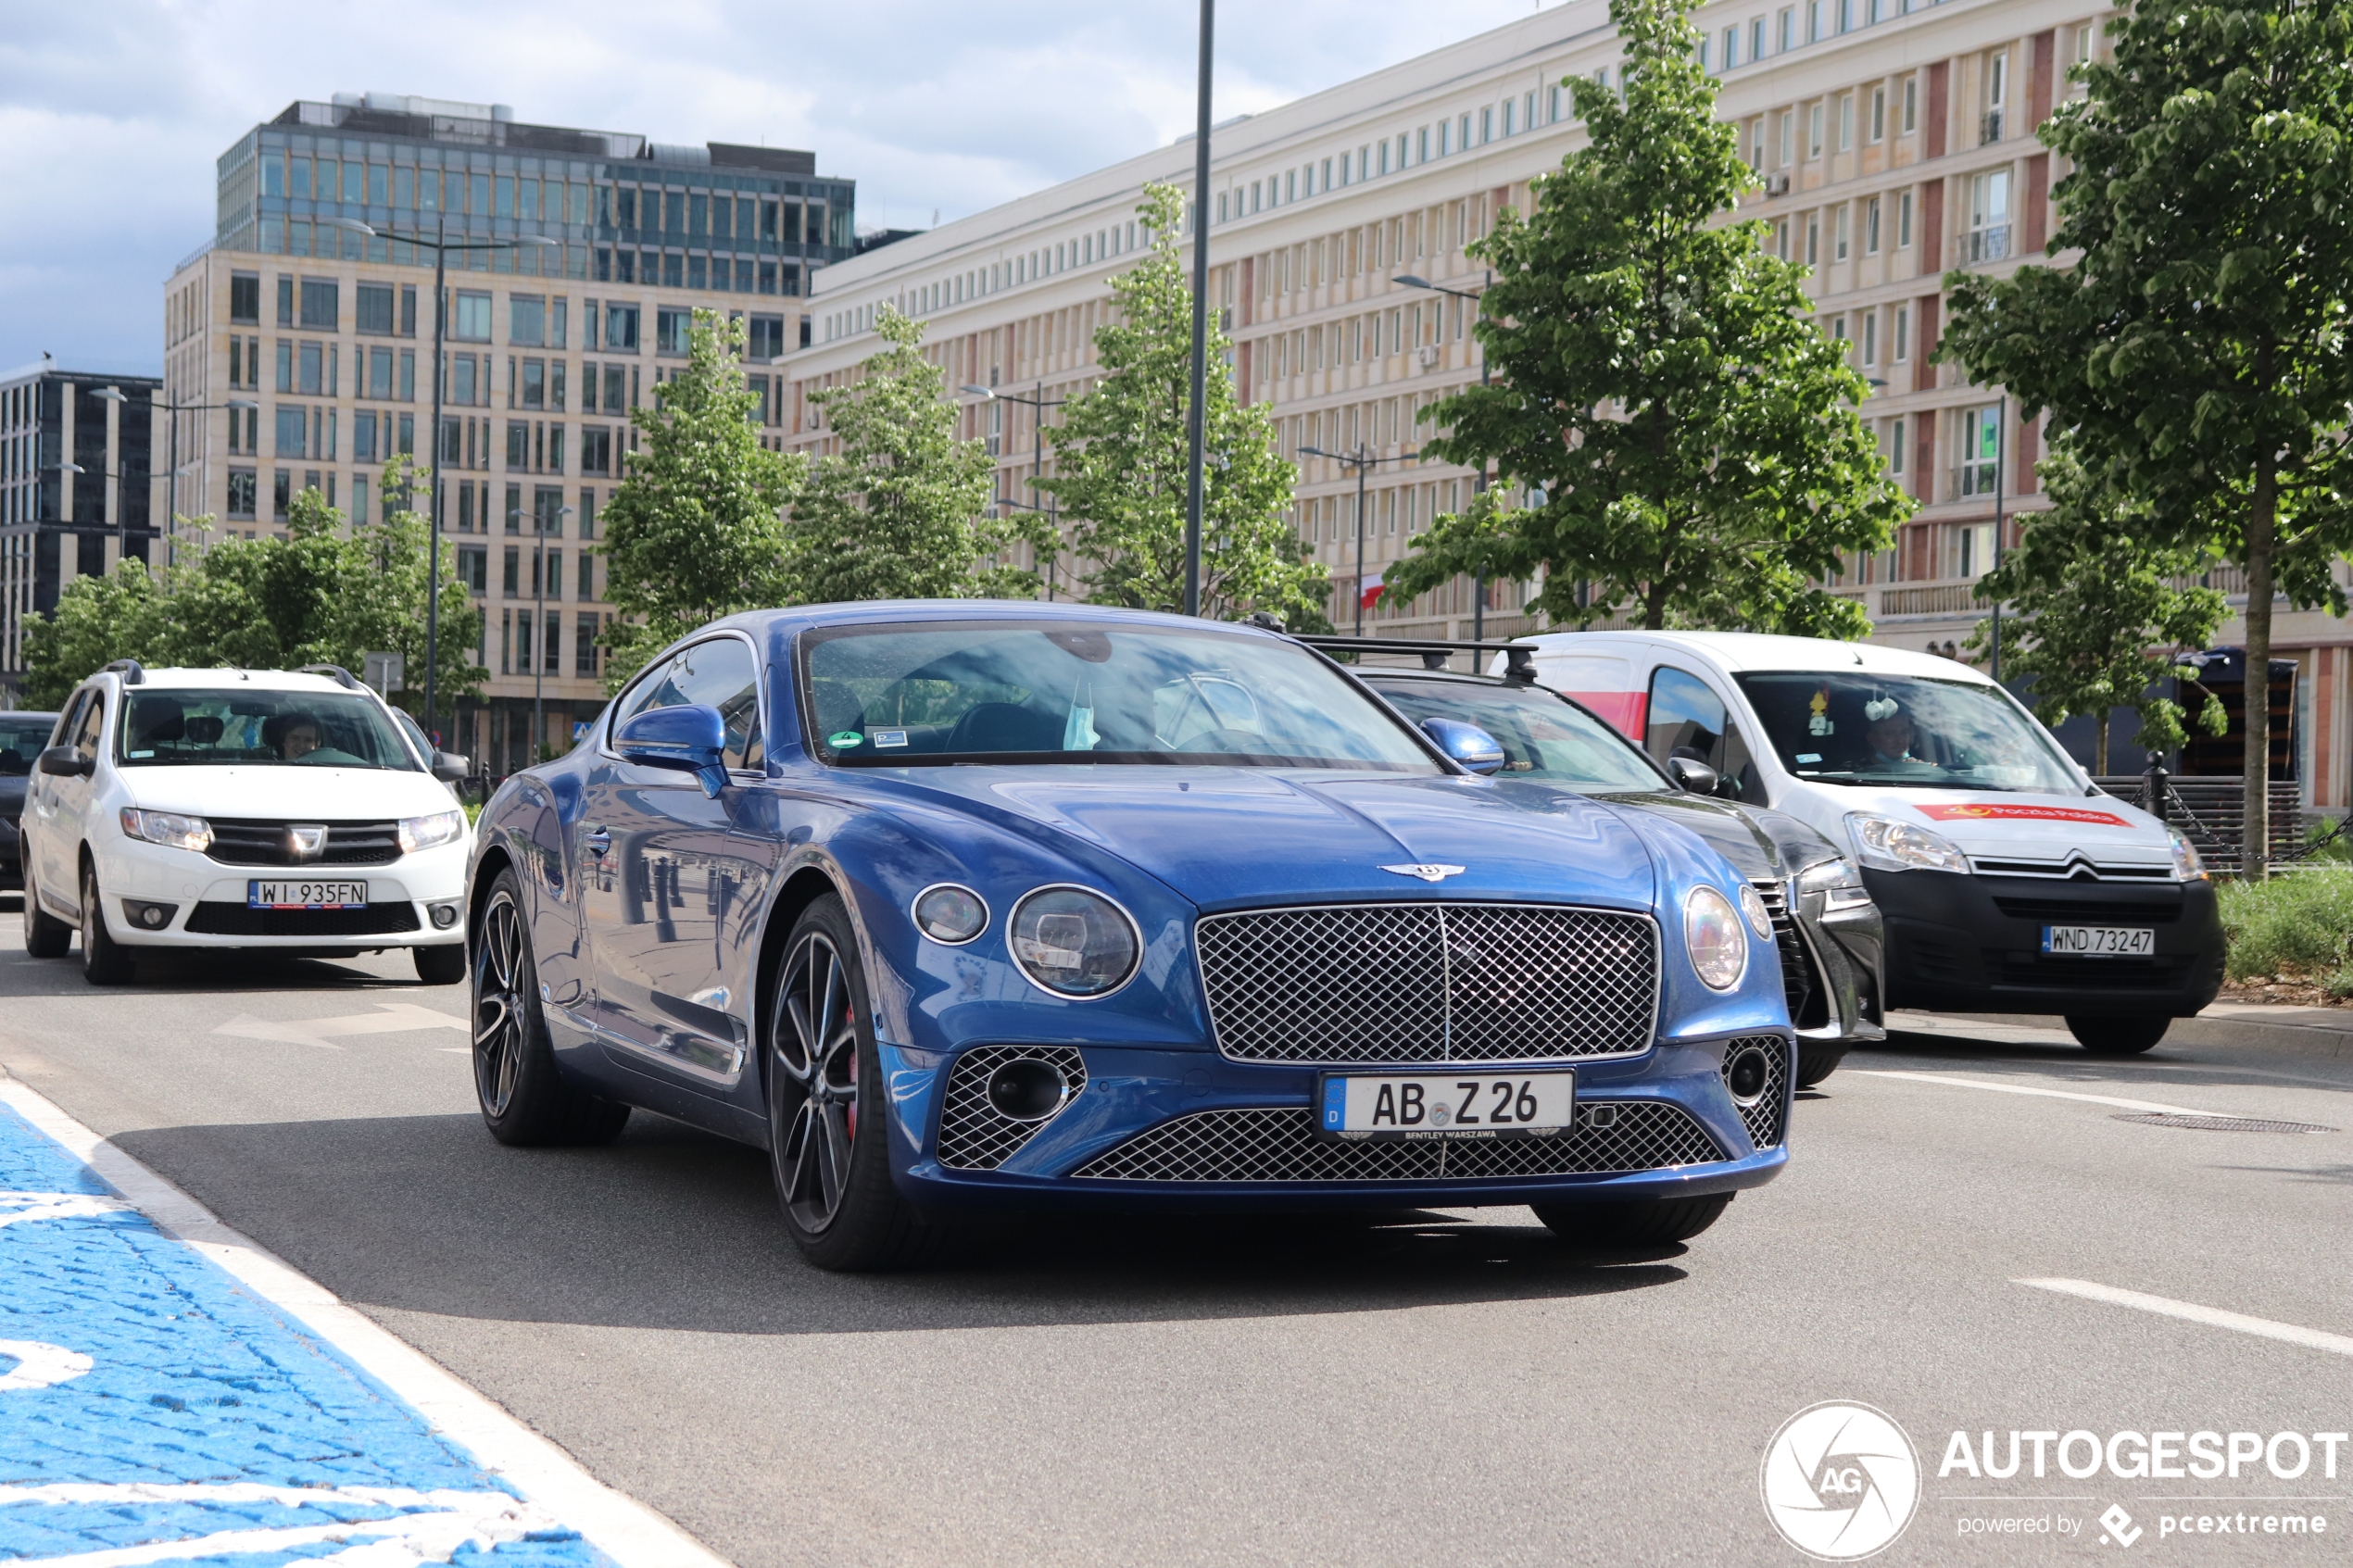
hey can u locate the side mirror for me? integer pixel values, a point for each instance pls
(1695, 776)
(65, 762)
(1466, 744)
(448, 766)
(689, 738)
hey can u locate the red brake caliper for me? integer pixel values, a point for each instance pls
(849, 1015)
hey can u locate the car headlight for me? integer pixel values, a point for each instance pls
(1887, 845)
(2188, 867)
(167, 828)
(950, 915)
(1838, 881)
(1760, 919)
(1712, 934)
(423, 833)
(1074, 942)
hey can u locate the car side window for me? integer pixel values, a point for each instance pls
(69, 721)
(721, 673)
(1687, 718)
(86, 734)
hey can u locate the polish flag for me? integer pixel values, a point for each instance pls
(1368, 588)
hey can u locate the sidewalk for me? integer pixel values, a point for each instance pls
(156, 1407)
(2319, 1031)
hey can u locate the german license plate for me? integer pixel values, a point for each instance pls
(306, 895)
(1446, 1104)
(2100, 941)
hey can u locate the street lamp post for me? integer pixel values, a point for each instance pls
(172, 480)
(1038, 406)
(539, 639)
(1479, 605)
(2001, 460)
(441, 246)
(1196, 417)
(1363, 462)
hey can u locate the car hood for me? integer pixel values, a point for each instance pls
(2010, 826)
(1233, 837)
(1728, 830)
(284, 794)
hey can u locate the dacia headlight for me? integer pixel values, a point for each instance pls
(1839, 881)
(1072, 942)
(1713, 936)
(424, 833)
(2188, 867)
(167, 828)
(1883, 844)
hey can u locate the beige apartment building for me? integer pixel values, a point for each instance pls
(596, 247)
(1893, 144)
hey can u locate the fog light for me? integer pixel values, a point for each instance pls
(1746, 1076)
(1028, 1090)
(146, 915)
(443, 915)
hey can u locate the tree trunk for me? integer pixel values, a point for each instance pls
(2099, 745)
(2260, 524)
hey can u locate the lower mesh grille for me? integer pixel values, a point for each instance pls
(1766, 1120)
(1281, 1145)
(973, 1134)
(224, 919)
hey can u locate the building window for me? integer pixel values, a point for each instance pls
(1980, 454)
(534, 383)
(469, 317)
(1870, 227)
(587, 528)
(1903, 333)
(319, 306)
(363, 436)
(245, 299)
(1989, 215)
(511, 581)
(2080, 54)
(244, 486)
(1814, 115)
(1785, 153)
(1879, 114)
(1756, 38)
(373, 302)
(1813, 238)
(514, 505)
(526, 321)
(671, 328)
(584, 643)
(1903, 220)
(1839, 222)
(474, 568)
(1895, 446)
(620, 330)
(1845, 122)
(1911, 104)
(1998, 94)
(285, 301)
(294, 430)
(1870, 337)
(281, 494)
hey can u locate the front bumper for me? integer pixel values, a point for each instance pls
(1973, 943)
(1191, 1130)
(208, 901)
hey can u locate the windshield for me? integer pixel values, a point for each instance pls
(1064, 691)
(1542, 736)
(187, 727)
(1855, 728)
(22, 741)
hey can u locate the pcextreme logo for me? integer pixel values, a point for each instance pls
(1839, 1480)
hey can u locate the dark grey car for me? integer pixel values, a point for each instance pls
(1827, 926)
(23, 737)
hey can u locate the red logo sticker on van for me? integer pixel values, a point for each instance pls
(1943, 813)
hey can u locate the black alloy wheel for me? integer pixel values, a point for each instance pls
(525, 1099)
(827, 1140)
(104, 959)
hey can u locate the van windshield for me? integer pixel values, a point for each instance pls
(196, 727)
(1853, 727)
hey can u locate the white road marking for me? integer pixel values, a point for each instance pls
(2214, 1317)
(40, 1366)
(391, 1018)
(2046, 1094)
(420, 1538)
(626, 1530)
(21, 1208)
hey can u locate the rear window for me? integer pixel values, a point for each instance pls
(1543, 737)
(23, 740)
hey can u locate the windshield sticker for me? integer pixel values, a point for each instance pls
(1809, 756)
(890, 737)
(1819, 721)
(842, 740)
(1983, 812)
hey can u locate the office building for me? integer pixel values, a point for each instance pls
(596, 248)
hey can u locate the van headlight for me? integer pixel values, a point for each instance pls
(2188, 867)
(1883, 844)
(1839, 881)
(167, 828)
(1713, 936)
(424, 833)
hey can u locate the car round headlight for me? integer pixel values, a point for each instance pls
(950, 915)
(1074, 942)
(1760, 920)
(1713, 935)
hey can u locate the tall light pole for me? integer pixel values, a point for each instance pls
(171, 480)
(539, 639)
(1038, 406)
(1195, 427)
(2001, 460)
(1364, 463)
(1478, 604)
(440, 244)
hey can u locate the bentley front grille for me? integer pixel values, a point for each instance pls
(1428, 982)
(975, 1136)
(1281, 1145)
(1767, 1119)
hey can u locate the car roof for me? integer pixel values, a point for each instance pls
(866, 611)
(179, 679)
(1759, 651)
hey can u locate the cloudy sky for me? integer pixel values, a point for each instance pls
(114, 110)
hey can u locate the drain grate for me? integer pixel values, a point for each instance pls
(2222, 1123)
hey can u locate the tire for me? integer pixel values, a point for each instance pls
(525, 1100)
(1643, 1222)
(45, 936)
(1816, 1062)
(828, 1138)
(2123, 1034)
(105, 962)
(440, 966)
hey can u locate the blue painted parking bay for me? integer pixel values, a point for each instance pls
(154, 1410)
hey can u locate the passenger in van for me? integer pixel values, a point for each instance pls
(1891, 737)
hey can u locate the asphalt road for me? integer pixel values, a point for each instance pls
(1431, 1387)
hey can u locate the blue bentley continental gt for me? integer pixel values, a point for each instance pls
(965, 904)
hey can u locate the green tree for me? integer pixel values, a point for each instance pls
(902, 509)
(1694, 438)
(97, 620)
(2197, 347)
(2100, 616)
(695, 532)
(1122, 457)
(388, 614)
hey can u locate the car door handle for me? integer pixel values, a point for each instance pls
(599, 840)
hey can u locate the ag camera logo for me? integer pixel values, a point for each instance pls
(1839, 1480)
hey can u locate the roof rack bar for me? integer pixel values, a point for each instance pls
(335, 673)
(131, 670)
(1520, 659)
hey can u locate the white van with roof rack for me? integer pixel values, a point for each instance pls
(2007, 881)
(263, 809)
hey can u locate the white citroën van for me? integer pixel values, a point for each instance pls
(2007, 882)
